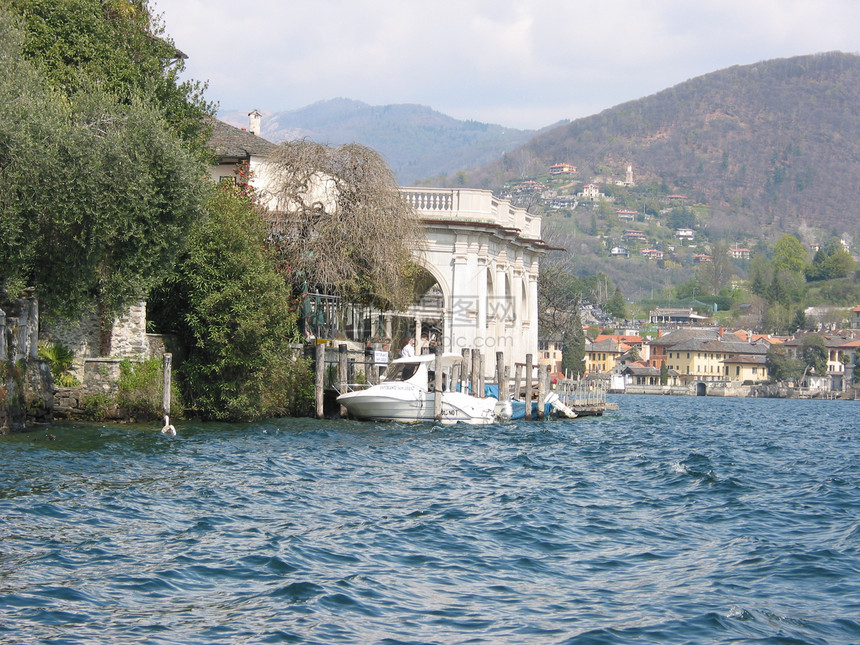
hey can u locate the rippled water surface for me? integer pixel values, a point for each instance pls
(673, 519)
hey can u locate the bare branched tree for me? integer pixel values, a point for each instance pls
(339, 222)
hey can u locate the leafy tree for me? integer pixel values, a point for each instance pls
(781, 366)
(232, 310)
(715, 275)
(831, 261)
(573, 349)
(789, 254)
(814, 353)
(97, 193)
(119, 45)
(615, 306)
(664, 373)
(682, 217)
(340, 222)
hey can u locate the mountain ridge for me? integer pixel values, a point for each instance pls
(414, 139)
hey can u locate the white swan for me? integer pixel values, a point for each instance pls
(168, 429)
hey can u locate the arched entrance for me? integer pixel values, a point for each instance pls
(701, 389)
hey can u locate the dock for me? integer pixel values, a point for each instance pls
(342, 369)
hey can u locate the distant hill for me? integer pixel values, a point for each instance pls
(769, 147)
(416, 141)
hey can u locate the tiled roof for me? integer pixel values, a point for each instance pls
(229, 141)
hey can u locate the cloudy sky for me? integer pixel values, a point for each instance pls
(518, 63)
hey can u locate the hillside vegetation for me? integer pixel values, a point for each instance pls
(767, 146)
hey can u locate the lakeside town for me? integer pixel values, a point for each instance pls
(676, 354)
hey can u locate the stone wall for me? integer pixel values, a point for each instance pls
(128, 337)
(26, 389)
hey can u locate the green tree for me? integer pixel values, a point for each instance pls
(831, 261)
(232, 310)
(814, 353)
(97, 193)
(664, 373)
(781, 366)
(615, 306)
(120, 45)
(789, 254)
(715, 275)
(573, 349)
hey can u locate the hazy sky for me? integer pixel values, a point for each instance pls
(518, 63)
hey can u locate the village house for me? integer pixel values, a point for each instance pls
(702, 355)
(685, 234)
(632, 235)
(675, 315)
(626, 215)
(652, 254)
(550, 351)
(591, 192)
(602, 354)
(841, 356)
(739, 253)
(619, 252)
(562, 169)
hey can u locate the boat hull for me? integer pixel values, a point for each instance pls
(411, 405)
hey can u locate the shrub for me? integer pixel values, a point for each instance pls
(141, 390)
(95, 406)
(61, 359)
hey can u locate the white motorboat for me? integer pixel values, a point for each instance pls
(406, 394)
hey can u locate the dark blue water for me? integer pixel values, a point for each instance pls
(674, 519)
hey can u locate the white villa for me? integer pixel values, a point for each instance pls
(480, 259)
(482, 255)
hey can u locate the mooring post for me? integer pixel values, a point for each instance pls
(369, 365)
(476, 372)
(437, 383)
(542, 389)
(529, 386)
(319, 385)
(342, 374)
(518, 380)
(467, 371)
(167, 363)
(2, 335)
(456, 371)
(500, 376)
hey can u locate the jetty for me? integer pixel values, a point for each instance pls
(346, 368)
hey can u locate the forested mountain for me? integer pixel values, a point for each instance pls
(415, 140)
(768, 147)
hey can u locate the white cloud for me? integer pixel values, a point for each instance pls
(521, 63)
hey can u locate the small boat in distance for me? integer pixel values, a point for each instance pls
(406, 394)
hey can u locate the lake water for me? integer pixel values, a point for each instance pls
(673, 519)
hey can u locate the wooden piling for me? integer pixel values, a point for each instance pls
(501, 379)
(466, 383)
(319, 385)
(518, 380)
(529, 386)
(542, 389)
(437, 383)
(342, 375)
(476, 372)
(166, 381)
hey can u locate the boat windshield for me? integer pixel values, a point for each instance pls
(401, 371)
